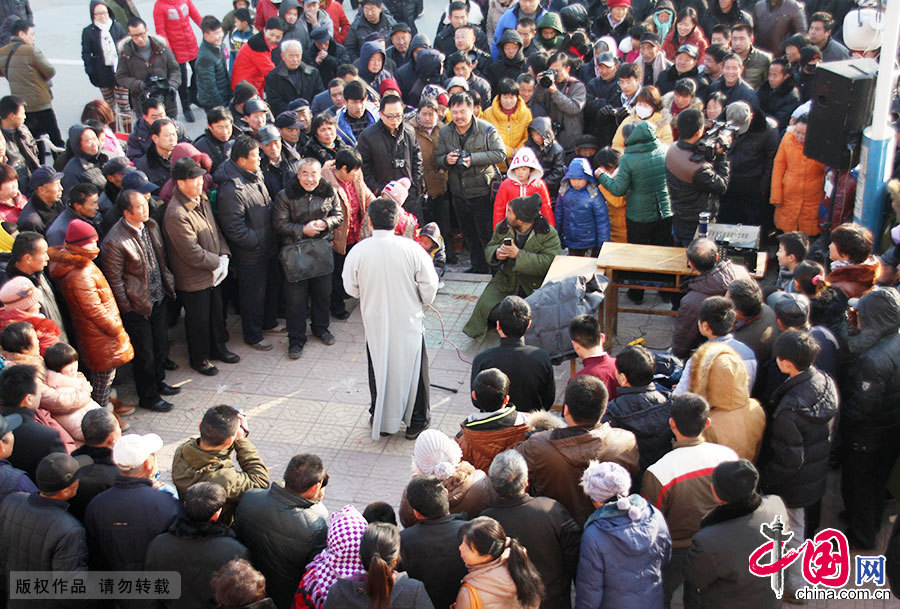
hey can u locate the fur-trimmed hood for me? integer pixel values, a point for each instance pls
(67, 258)
(718, 374)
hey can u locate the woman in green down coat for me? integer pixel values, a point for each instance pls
(641, 179)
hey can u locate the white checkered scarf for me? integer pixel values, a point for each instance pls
(340, 558)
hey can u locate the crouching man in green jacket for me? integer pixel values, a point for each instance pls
(523, 263)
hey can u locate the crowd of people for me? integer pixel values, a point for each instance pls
(357, 159)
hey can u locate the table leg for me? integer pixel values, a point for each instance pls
(611, 306)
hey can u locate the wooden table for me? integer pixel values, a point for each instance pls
(616, 258)
(570, 266)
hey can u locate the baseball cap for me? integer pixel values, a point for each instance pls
(400, 27)
(119, 164)
(42, 176)
(9, 423)
(607, 59)
(132, 450)
(186, 168)
(267, 135)
(300, 102)
(809, 53)
(650, 37)
(689, 49)
(892, 256)
(791, 308)
(137, 180)
(255, 105)
(375, 2)
(57, 471)
(288, 120)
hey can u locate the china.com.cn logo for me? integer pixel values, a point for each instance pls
(826, 559)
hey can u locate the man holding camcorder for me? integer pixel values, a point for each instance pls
(469, 149)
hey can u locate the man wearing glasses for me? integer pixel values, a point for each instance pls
(390, 151)
(147, 68)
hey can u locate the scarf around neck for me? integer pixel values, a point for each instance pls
(107, 44)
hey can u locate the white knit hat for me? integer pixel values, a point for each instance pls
(436, 454)
(602, 481)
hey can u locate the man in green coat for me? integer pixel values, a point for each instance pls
(522, 247)
(223, 434)
(213, 82)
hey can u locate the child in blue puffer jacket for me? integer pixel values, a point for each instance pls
(582, 218)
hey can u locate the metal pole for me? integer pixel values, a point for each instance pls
(876, 160)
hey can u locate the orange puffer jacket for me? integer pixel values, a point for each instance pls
(102, 341)
(797, 183)
(172, 19)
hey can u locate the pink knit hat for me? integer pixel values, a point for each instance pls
(19, 293)
(398, 190)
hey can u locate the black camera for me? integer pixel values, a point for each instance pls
(462, 156)
(719, 135)
(547, 78)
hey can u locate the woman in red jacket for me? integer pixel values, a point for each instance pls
(254, 60)
(172, 19)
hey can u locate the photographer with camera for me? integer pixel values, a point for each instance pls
(147, 68)
(697, 171)
(469, 149)
(564, 97)
(390, 151)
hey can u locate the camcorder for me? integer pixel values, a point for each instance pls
(720, 134)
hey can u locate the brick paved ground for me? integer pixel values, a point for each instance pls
(319, 403)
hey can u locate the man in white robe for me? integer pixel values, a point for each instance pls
(393, 277)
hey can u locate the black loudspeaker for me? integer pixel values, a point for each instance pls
(844, 94)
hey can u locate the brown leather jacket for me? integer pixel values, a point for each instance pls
(193, 241)
(102, 341)
(363, 194)
(126, 270)
(557, 459)
(480, 447)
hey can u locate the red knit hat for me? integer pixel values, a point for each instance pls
(80, 233)
(388, 84)
(614, 3)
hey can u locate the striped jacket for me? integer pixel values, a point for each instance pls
(680, 485)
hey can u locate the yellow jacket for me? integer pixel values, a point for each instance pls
(513, 128)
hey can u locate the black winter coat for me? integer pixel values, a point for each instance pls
(123, 520)
(382, 153)
(429, 552)
(158, 169)
(196, 550)
(101, 476)
(670, 77)
(34, 440)
(281, 89)
(551, 536)
(796, 463)
(601, 93)
(694, 187)
(275, 175)
(217, 151)
(245, 215)
(82, 168)
(38, 534)
(319, 152)
(752, 153)
(779, 103)
(100, 74)
(295, 206)
(643, 411)
(337, 55)
(870, 414)
(283, 533)
(740, 91)
(532, 385)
